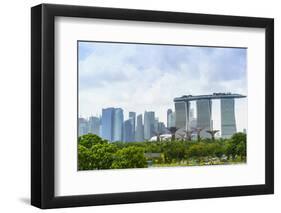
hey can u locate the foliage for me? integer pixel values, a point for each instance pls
(84, 158)
(99, 156)
(174, 151)
(236, 146)
(102, 156)
(96, 153)
(89, 140)
(129, 157)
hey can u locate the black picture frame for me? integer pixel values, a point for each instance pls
(43, 105)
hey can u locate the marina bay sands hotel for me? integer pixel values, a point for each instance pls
(204, 112)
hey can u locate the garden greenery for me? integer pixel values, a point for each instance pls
(97, 153)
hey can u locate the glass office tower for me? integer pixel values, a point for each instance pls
(83, 126)
(127, 131)
(118, 124)
(132, 117)
(204, 116)
(149, 119)
(107, 119)
(139, 129)
(228, 122)
(94, 125)
(182, 114)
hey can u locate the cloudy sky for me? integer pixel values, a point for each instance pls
(139, 77)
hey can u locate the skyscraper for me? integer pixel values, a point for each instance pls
(228, 123)
(204, 116)
(139, 129)
(161, 127)
(191, 113)
(94, 125)
(149, 119)
(127, 131)
(204, 112)
(171, 120)
(118, 124)
(132, 117)
(156, 129)
(169, 112)
(182, 114)
(107, 123)
(83, 126)
(192, 119)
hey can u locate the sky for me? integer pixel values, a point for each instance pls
(139, 77)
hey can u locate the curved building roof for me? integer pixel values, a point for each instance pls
(213, 96)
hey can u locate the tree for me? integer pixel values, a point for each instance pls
(218, 150)
(173, 151)
(198, 132)
(212, 133)
(237, 146)
(173, 131)
(102, 156)
(89, 140)
(84, 158)
(239, 139)
(94, 152)
(129, 157)
(157, 134)
(99, 156)
(197, 150)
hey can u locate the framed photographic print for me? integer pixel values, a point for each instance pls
(139, 106)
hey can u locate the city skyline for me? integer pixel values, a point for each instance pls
(138, 77)
(114, 127)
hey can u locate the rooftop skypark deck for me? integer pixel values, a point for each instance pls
(213, 96)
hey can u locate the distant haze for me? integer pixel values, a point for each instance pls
(138, 77)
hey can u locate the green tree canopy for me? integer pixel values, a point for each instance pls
(130, 157)
(84, 158)
(97, 153)
(90, 139)
(102, 155)
(237, 146)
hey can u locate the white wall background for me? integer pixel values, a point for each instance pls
(15, 105)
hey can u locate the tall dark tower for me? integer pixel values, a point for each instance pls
(169, 113)
(132, 117)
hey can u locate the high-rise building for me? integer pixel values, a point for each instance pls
(191, 114)
(118, 124)
(132, 117)
(139, 129)
(192, 119)
(171, 120)
(94, 125)
(107, 120)
(169, 112)
(161, 128)
(83, 126)
(204, 116)
(156, 129)
(127, 131)
(228, 123)
(149, 119)
(182, 114)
